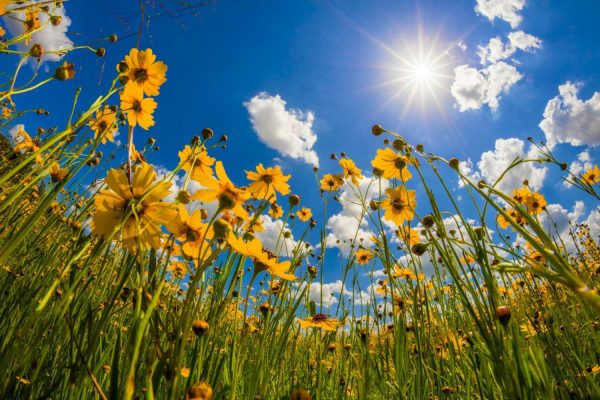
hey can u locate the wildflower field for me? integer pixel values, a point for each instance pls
(120, 279)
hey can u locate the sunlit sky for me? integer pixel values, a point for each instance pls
(456, 76)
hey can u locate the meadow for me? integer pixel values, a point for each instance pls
(118, 283)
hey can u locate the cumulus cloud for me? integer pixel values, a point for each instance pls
(349, 226)
(558, 221)
(579, 166)
(289, 131)
(496, 50)
(593, 222)
(472, 87)
(333, 291)
(568, 119)
(494, 162)
(272, 237)
(50, 37)
(507, 10)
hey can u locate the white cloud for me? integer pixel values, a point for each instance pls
(493, 163)
(272, 237)
(51, 38)
(331, 292)
(474, 87)
(287, 131)
(496, 50)
(507, 10)
(350, 225)
(593, 222)
(568, 119)
(558, 221)
(579, 166)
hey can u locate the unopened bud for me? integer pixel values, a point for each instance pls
(100, 52)
(454, 163)
(377, 130)
(503, 314)
(294, 200)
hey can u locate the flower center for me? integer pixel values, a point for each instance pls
(267, 179)
(319, 317)
(399, 163)
(140, 75)
(137, 106)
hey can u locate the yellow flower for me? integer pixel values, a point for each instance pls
(138, 109)
(137, 208)
(31, 22)
(267, 181)
(304, 214)
(521, 194)
(275, 210)
(223, 190)
(2, 31)
(408, 236)
(192, 232)
(535, 203)
(6, 112)
(591, 176)
(26, 143)
(3, 4)
(57, 173)
(331, 182)
(144, 71)
(321, 321)
(514, 217)
(399, 205)
(350, 170)
(393, 165)
(178, 269)
(363, 256)
(198, 161)
(104, 125)
(263, 260)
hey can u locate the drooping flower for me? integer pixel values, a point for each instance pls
(192, 232)
(263, 259)
(144, 71)
(591, 176)
(136, 210)
(392, 164)
(363, 256)
(320, 321)
(408, 235)
(222, 189)
(268, 181)
(399, 205)
(57, 173)
(104, 125)
(331, 182)
(351, 171)
(31, 22)
(304, 214)
(198, 162)
(275, 210)
(139, 110)
(26, 143)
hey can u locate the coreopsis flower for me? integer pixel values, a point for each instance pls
(407, 235)
(199, 391)
(407, 273)
(304, 214)
(331, 182)
(6, 113)
(57, 173)
(521, 194)
(535, 203)
(2, 31)
(363, 256)
(134, 211)
(197, 161)
(275, 211)
(351, 171)
(104, 125)
(254, 225)
(144, 71)
(3, 4)
(267, 181)
(26, 143)
(591, 176)
(263, 260)
(178, 269)
(222, 189)
(392, 164)
(31, 21)
(399, 205)
(192, 232)
(137, 108)
(513, 216)
(320, 321)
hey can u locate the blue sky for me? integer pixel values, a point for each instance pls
(335, 59)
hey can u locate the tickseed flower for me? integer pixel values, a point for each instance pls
(65, 71)
(199, 391)
(144, 71)
(392, 164)
(320, 321)
(3, 4)
(304, 214)
(513, 216)
(2, 31)
(263, 260)
(591, 176)
(26, 143)
(104, 125)
(399, 205)
(275, 211)
(350, 170)
(6, 112)
(57, 173)
(136, 209)
(198, 162)
(178, 269)
(331, 182)
(407, 235)
(363, 256)
(31, 22)
(267, 181)
(191, 231)
(535, 203)
(138, 109)
(223, 190)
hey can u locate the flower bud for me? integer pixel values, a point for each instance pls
(420, 148)
(294, 200)
(300, 394)
(454, 163)
(377, 130)
(221, 228)
(112, 38)
(200, 327)
(503, 314)
(64, 72)
(100, 52)
(373, 205)
(428, 221)
(184, 197)
(398, 144)
(36, 51)
(199, 391)
(419, 249)
(122, 67)
(207, 133)
(55, 20)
